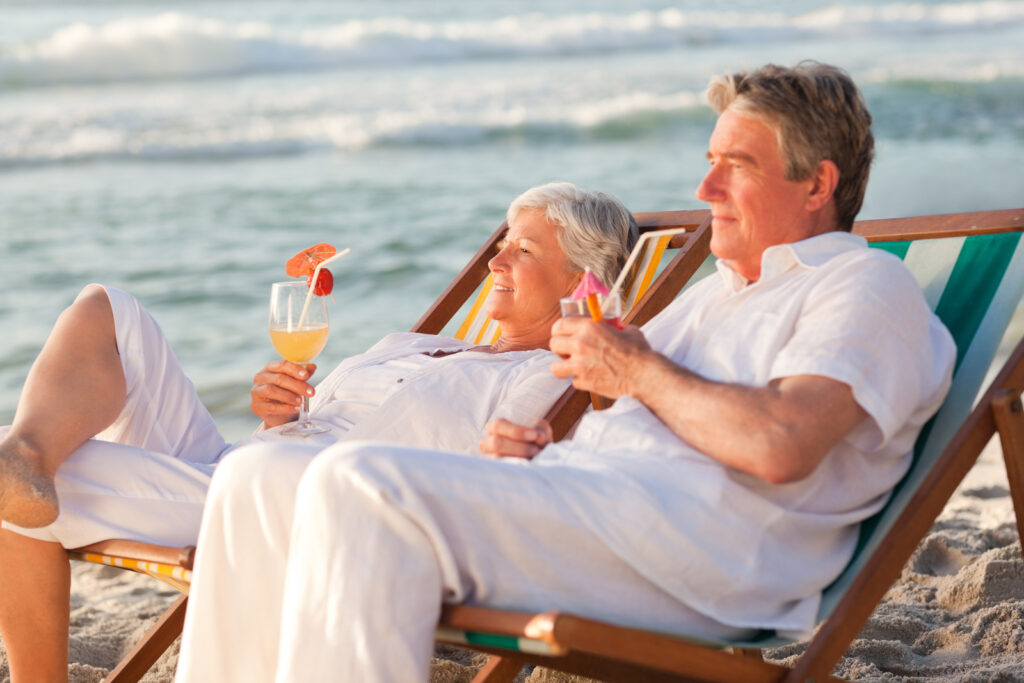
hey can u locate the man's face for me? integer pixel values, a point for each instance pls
(753, 206)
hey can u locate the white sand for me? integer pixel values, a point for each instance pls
(956, 613)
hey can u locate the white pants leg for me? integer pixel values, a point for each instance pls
(233, 618)
(143, 478)
(382, 535)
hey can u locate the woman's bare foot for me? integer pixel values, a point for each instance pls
(27, 494)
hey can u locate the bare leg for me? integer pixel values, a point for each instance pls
(34, 609)
(75, 389)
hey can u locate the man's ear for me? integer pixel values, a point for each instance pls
(825, 179)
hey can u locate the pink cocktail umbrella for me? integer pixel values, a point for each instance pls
(589, 288)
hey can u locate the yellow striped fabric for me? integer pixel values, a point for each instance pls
(174, 576)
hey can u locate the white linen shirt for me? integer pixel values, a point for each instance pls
(744, 552)
(396, 394)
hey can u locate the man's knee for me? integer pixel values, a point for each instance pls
(259, 471)
(380, 471)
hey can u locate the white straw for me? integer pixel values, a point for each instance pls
(637, 248)
(312, 285)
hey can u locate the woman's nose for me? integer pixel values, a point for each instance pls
(498, 262)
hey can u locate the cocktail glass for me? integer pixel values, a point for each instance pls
(298, 333)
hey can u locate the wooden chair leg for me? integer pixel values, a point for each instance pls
(1009, 417)
(156, 641)
(499, 670)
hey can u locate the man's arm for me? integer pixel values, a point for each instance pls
(778, 433)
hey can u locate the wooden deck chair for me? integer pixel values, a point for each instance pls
(971, 269)
(173, 565)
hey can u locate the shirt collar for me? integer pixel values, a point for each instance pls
(812, 252)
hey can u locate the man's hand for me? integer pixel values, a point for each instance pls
(598, 357)
(508, 440)
(278, 390)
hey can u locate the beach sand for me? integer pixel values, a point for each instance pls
(955, 614)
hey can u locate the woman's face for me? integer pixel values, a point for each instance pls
(531, 273)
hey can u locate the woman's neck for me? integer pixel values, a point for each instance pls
(503, 345)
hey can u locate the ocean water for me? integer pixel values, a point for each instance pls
(184, 150)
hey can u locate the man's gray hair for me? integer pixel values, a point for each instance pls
(817, 113)
(598, 231)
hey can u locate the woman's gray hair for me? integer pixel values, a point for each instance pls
(598, 231)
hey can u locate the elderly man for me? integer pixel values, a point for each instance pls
(760, 418)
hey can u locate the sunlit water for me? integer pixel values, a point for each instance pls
(184, 150)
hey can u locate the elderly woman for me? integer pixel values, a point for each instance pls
(109, 426)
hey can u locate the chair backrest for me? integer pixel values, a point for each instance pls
(476, 281)
(973, 279)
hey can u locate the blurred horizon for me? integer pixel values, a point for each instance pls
(184, 150)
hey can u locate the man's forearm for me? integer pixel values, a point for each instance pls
(778, 433)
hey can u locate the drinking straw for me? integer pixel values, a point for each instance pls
(637, 248)
(594, 307)
(312, 286)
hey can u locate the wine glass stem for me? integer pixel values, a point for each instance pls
(304, 411)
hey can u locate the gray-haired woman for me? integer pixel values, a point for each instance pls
(110, 439)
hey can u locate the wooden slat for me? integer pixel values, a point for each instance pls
(156, 641)
(499, 670)
(940, 225)
(611, 653)
(1009, 416)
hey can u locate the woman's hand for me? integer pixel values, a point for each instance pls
(278, 390)
(508, 440)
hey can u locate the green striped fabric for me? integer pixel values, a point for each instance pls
(973, 284)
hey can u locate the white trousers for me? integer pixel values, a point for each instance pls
(335, 568)
(145, 477)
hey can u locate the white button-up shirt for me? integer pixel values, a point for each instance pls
(748, 553)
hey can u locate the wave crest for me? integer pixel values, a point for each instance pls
(176, 45)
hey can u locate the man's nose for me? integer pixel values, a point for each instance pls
(710, 187)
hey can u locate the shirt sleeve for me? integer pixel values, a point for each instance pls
(867, 325)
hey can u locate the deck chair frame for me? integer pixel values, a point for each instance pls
(614, 653)
(174, 565)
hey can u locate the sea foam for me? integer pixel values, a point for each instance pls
(181, 46)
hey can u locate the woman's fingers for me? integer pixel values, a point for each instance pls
(508, 440)
(279, 388)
